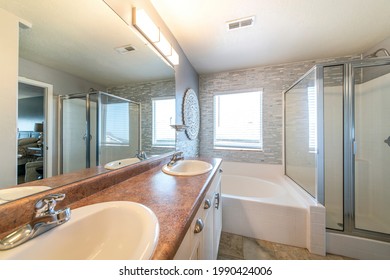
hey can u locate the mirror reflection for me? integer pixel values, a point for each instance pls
(84, 47)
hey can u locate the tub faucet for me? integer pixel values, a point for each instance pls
(45, 218)
(175, 158)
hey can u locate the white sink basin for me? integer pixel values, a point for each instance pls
(187, 168)
(121, 163)
(18, 192)
(115, 230)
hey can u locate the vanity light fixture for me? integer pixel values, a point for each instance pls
(144, 25)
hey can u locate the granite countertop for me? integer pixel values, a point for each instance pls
(174, 199)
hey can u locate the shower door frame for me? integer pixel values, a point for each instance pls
(319, 161)
(88, 127)
(350, 150)
(348, 142)
(349, 147)
(61, 98)
(99, 120)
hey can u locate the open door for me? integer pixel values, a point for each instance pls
(35, 158)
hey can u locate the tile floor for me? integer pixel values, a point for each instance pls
(236, 247)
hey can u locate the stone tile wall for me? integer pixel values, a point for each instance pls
(274, 80)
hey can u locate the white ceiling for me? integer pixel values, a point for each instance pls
(284, 31)
(80, 37)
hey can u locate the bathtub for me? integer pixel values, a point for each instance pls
(258, 201)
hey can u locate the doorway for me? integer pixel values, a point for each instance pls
(35, 130)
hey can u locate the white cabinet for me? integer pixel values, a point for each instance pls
(217, 219)
(201, 241)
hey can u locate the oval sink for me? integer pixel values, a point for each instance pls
(187, 168)
(120, 163)
(116, 230)
(18, 192)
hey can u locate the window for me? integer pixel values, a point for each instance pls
(238, 120)
(116, 120)
(164, 111)
(312, 108)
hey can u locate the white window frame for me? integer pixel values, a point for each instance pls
(219, 145)
(159, 142)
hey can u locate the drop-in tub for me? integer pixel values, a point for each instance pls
(260, 202)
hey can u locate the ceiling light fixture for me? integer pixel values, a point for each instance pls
(142, 22)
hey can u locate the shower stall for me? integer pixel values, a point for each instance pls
(96, 128)
(337, 144)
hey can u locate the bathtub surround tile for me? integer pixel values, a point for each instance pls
(255, 249)
(317, 230)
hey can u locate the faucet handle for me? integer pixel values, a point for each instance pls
(177, 154)
(47, 204)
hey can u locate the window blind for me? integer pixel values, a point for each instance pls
(238, 120)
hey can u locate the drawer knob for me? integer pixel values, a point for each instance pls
(207, 204)
(199, 225)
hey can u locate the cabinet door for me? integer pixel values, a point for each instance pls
(208, 239)
(184, 252)
(217, 208)
(196, 251)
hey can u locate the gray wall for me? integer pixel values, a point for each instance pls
(186, 77)
(273, 80)
(30, 111)
(63, 83)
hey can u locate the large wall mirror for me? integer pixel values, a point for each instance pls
(79, 47)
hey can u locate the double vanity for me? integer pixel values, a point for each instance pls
(160, 208)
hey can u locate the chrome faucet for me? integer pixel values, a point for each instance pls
(141, 155)
(175, 158)
(45, 218)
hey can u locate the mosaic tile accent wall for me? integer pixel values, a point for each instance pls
(274, 80)
(144, 92)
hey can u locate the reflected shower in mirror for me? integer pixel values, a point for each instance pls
(73, 46)
(97, 128)
(157, 100)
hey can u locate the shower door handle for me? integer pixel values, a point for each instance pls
(387, 141)
(85, 137)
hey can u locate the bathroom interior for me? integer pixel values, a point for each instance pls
(292, 149)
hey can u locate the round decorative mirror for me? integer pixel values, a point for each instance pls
(191, 114)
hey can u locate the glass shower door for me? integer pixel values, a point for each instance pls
(333, 144)
(119, 129)
(372, 148)
(301, 133)
(73, 133)
(78, 148)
